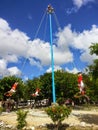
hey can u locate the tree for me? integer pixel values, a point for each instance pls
(66, 84)
(94, 48)
(93, 73)
(94, 67)
(6, 84)
(46, 88)
(31, 86)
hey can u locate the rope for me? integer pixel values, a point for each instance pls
(40, 24)
(57, 22)
(74, 63)
(34, 38)
(23, 65)
(58, 26)
(45, 28)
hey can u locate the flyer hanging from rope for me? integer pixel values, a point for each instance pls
(36, 93)
(12, 90)
(81, 85)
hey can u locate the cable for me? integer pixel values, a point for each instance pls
(45, 28)
(34, 38)
(40, 24)
(57, 22)
(23, 65)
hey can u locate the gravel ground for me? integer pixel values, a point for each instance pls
(37, 117)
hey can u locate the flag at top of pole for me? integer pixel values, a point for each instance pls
(50, 10)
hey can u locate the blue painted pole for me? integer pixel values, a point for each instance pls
(52, 60)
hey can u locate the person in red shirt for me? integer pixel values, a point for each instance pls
(36, 93)
(80, 83)
(12, 90)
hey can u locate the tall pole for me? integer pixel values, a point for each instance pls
(50, 10)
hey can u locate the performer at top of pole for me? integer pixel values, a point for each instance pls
(50, 9)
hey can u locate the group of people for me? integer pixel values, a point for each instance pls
(13, 90)
(81, 88)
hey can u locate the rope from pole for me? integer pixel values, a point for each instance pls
(40, 24)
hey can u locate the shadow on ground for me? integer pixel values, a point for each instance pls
(53, 127)
(90, 119)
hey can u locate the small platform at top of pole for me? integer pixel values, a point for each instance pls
(50, 9)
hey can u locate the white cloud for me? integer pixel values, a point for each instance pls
(14, 71)
(12, 41)
(62, 56)
(11, 58)
(40, 50)
(4, 26)
(35, 62)
(77, 5)
(86, 57)
(55, 69)
(4, 71)
(82, 41)
(74, 70)
(2, 66)
(71, 10)
(80, 3)
(25, 78)
(15, 44)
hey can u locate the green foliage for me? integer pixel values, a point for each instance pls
(65, 85)
(60, 101)
(94, 48)
(93, 69)
(46, 88)
(1, 109)
(93, 74)
(31, 85)
(6, 84)
(21, 118)
(58, 113)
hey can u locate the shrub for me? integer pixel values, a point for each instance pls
(21, 118)
(60, 101)
(58, 113)
(1, 109)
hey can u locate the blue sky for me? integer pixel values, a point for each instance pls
(25, 38)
